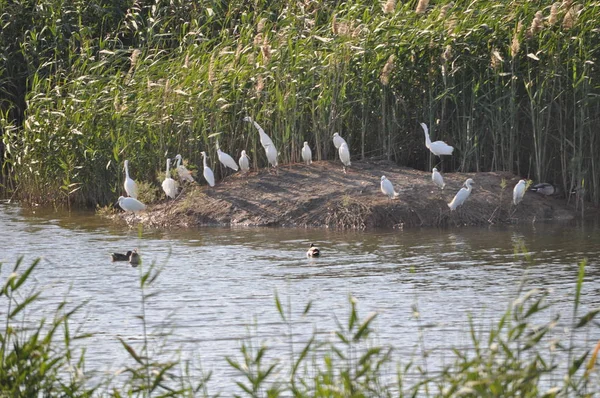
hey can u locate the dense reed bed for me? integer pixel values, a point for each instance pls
(511, 85)
(518, 355)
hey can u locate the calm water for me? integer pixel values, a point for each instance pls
(217, 284)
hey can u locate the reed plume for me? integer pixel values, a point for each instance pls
(387, 71)
(553, 18)
(516, 44)
(389, 7)
(422, 6)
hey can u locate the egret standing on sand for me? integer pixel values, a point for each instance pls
(182, 171)
(387, 188)
(244, 162)
(338, 141)
(265, 140)
(271, 152)
(437, 178)
(208, 173)
(131, 204)
(169, 185)
(519, 191)
(438, 148)
(130, 185)
(462, 195)
(306, 153)
(225, 159)
(344, 153)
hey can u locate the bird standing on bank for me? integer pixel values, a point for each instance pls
(169, 185)
(461, 195)
(265, 140)
(344, 153)
(209, 176)
(182, 171)
(130, 185)
(387, 188)
(338, 141)
(225, 159)
(437, 178)
(313, 251)
(244, 162)
(519, 191)
(438, 148)
(306, 153)
(130, 204)
(271, 152)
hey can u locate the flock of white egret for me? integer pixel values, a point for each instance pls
(437, 148)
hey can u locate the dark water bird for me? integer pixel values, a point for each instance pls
(544, 188)
(134, 257)
(121, 256)
(313, 251)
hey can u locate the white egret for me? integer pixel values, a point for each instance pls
(182, 171)
(344, 153)
(519, 191)
(437, 178)
(225, 159)
(461, 195)
(544, 188)
(306, 153)
(387, 188)
(265, 140)
(244, 162)
(338, 141)
(131, 204)
(271, 152)
(313, 251)
(169, 185)
(130, 185)
(438, 148)
(208, 173)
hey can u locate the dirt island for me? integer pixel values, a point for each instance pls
(322, 195)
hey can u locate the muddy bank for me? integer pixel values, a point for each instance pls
(321, 195)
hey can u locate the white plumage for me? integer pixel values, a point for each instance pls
(182, 171)
(208, 173)
(462, 195)
(338, 141)
(271, 152)
(344, 153)
(130, 185)
(265, 140)
(244, 162)
(131, 204)
(387, 188)
(519, 191)
(437, 178)
(226, 160)
(169, 185)
(306, 153)
(438, 148)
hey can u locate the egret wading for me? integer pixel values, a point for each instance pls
(169, 185)
(130, 204)
(130, 185)
(438, 148)
(244, 162)
(225, 159)
(313, 251)
(265, 140)
(208, 173)
(461, 195)
(344, 153)
(306, 153)
(387, 188)
(437, 178)
(519, 191)
(182, 171)
(338, 141)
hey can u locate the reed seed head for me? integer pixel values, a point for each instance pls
(387, 71)
(444, 10)
(447, 54)
(536, 24)
(516, 44)
(570, 18)
(553, 18)
(496, 59)
(260, 84)
(422, 6)
(186, 63)
(389, 6)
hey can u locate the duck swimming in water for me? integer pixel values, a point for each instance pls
(313, 251)
(134, 258)
(120, 256)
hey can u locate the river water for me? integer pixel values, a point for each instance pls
(217, 285)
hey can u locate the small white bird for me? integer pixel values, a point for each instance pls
(225, 159)
(244, 162)
(338, 141)
(306, 153)
(461, 195)
(344, 153)
(130, 185)
(271, 152)
(182, 171)
(131, 204)
(519, 191)
(208, 173)
(265, 140)
(387, 188)
(437, 178)
(169, 185)
(438, 148)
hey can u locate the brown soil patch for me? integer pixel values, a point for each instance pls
(321, 195)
